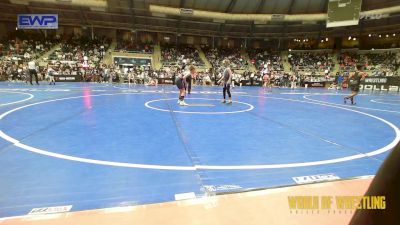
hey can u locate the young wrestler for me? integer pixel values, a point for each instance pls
(226, 80)
(50, 74)
(266, 81)
(354, 83)
(181, 83)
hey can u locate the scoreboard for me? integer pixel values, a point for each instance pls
(343, 13)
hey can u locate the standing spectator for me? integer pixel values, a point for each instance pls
(340, 82)
(293, 80)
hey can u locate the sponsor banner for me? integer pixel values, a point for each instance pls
(184, 11)
(128, 61)
(315, 84)
(62, 78)
(165, 81)
(221, 188)
(257, 83)
(48, 210)
(37, 21)
(376, 16)
(376, 80)
(183, 196)
(381, 84)
(245, 82)
(380, 87)
(278, 17)
(315, 178)
(251, 83)
(324, 204)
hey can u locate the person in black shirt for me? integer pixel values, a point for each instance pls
(354, 82)
(285, 79)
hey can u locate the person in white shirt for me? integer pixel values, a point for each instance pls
(130, 76)
(32, 71)
(106, 74)
(27, 55)
(207, 79)
(50, 74)
(293, 79)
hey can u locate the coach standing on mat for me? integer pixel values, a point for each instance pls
(32, 71)
(226, 80)
(354, 82)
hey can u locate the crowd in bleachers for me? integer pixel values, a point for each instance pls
(15, 53)
(382, 64)
(216, 55)
(132, 47)
(378, 63)
(175, 56)
(79, 56)
(84, 57)
(24, 49)
(347, 61)
(260, 58)
(79, 49)
(311, 61)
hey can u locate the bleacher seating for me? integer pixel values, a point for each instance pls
(311, 61)
(261, 57)
(174, 56)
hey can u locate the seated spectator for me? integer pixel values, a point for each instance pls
(172, 56)
(216, 56)
(311, 61)
(129, 46)
(262, 57)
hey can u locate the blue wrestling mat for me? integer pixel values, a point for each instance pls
(94, 146)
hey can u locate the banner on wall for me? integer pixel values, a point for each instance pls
(129, 61)
(37, 21)
(381, 84)
(67, 78)
(165, 81)
(316, 84)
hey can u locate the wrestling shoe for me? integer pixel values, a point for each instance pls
(183, 103)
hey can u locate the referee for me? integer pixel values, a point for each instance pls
(32, 71)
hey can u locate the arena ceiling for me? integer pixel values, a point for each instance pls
(135, 15)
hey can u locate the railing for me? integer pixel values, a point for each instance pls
(134, 51)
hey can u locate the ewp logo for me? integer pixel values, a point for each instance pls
(38, 21)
